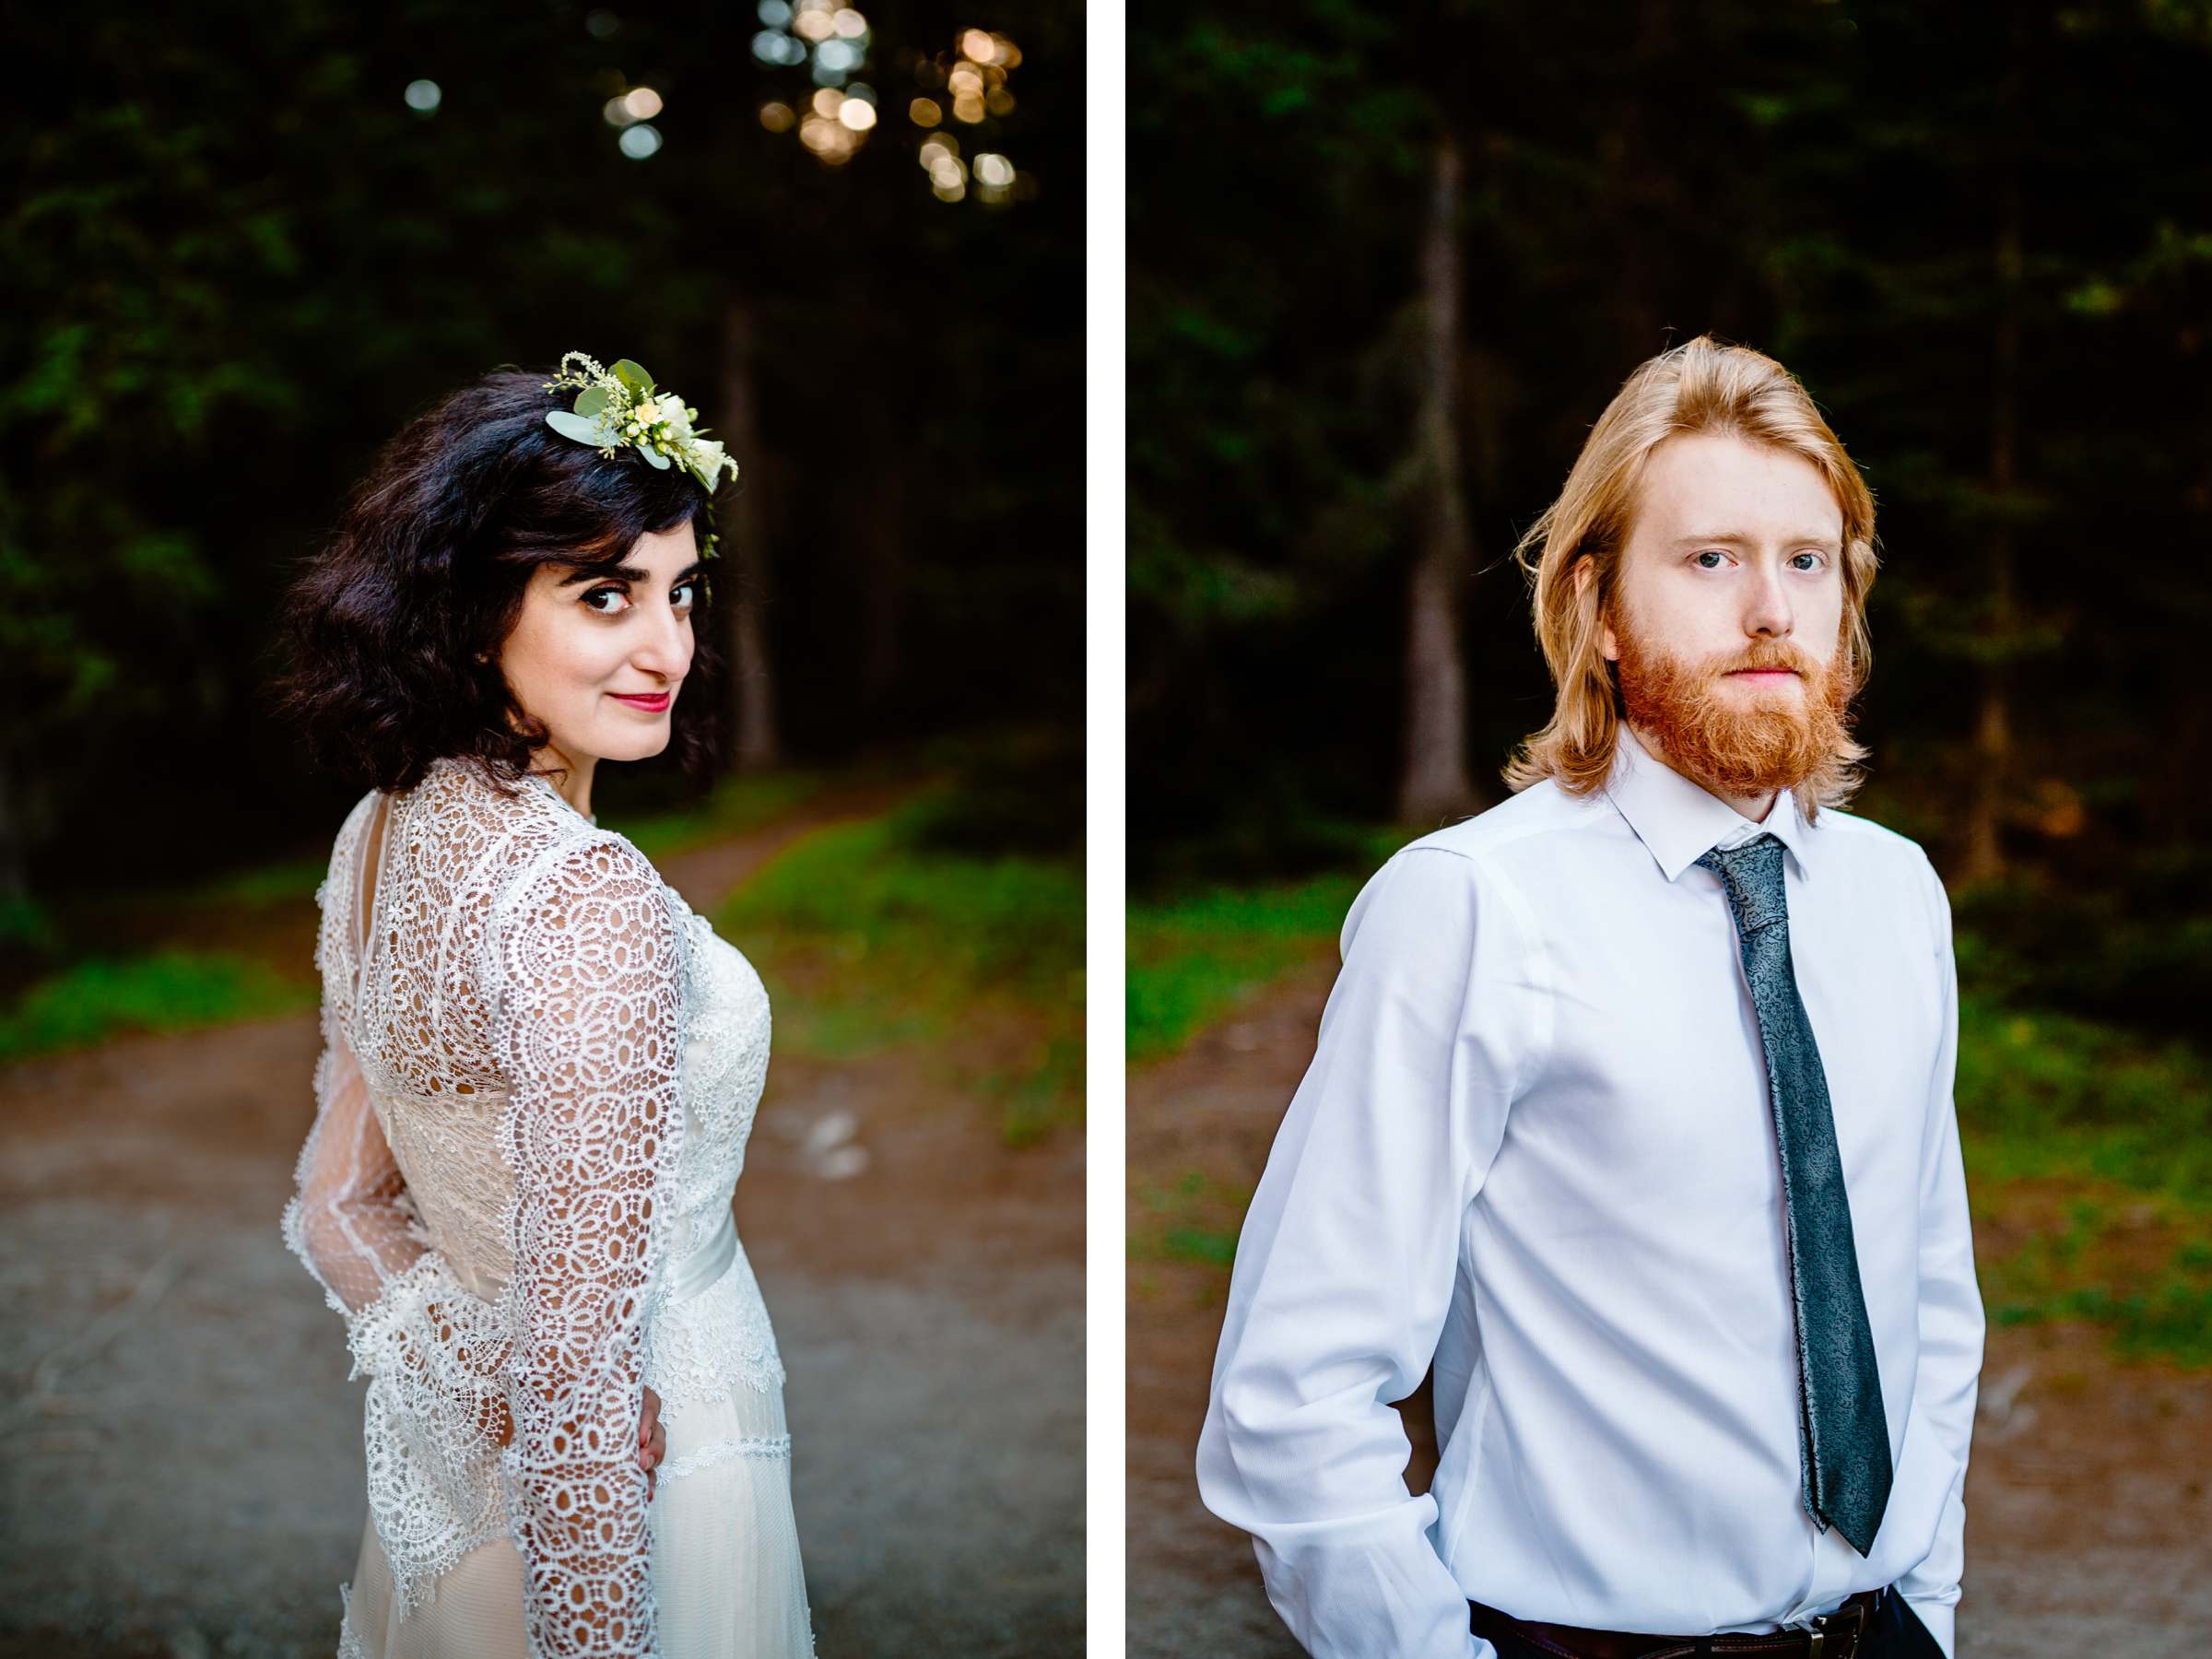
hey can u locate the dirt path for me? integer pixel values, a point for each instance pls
(180, 1453)
(2089, 1521)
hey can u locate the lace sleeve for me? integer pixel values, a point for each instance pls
(348, 1220)
(587, 1026)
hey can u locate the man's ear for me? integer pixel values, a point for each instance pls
(1584, 571)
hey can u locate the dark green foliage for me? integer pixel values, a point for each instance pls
(1819, 179)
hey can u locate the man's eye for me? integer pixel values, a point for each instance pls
(597, 594)
(1819, 559)
(1709, 553)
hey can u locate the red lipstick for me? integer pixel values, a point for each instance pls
(655, 704)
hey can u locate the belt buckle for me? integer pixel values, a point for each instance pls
(1825, 1625)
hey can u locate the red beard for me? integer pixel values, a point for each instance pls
(1724, 740)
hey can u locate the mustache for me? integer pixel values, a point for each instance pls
(1774, 654)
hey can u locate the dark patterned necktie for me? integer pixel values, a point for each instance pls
(1843, 1437)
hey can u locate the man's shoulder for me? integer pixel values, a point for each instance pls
(1505, 847)
(1541, 809)
(1865, 838)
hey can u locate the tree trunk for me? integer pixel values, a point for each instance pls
(1984, 859)
(752, 688)
(1434, 783)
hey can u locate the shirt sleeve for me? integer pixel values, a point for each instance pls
(1349, 1254)
(1951, 1320)
(588, 1031)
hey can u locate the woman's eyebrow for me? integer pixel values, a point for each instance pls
(626, 573)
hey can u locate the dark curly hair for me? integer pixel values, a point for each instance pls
(382, 627)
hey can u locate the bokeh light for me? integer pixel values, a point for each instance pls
(642, 102)
(423, 97)
(640, 140)
(972, 77)
(779, 50)
(831, 40)
(831, 140)
(833, 121)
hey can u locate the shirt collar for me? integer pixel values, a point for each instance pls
(1679, 821)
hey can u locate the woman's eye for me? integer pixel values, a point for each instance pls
(1818, 561)
(690, 590)
(1709, 553)
(591, 598)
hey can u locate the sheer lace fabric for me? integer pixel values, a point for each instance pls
(540, 1068)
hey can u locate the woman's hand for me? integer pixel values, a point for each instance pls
(653, 1440)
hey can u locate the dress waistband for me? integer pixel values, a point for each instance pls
(700, 1268)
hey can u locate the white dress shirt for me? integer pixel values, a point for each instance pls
(1535, 1146)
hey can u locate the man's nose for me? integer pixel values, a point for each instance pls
(1767, 603)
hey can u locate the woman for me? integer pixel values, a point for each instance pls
(540, 1065)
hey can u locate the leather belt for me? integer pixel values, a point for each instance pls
(1840, 1634)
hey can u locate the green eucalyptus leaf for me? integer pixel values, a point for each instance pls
(593, 400)
(635, 379)
(595, 432)
(655, 456)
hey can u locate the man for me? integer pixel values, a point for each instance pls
(1631, 1113)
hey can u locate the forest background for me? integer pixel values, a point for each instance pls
(240, 245)
(1387, 266)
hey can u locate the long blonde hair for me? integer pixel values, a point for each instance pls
(1701, 385)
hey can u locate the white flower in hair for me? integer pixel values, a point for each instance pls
(620, 406)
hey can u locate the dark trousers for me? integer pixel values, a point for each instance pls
(1897, 1635)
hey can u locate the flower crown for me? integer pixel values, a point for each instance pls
(620, 406)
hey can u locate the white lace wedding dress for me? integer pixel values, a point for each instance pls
(539, 1070)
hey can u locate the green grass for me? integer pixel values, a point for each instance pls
(2154, 1302)
(2042, 1094)
(1196, 958)
(165, 991)
(735, 806)
(894, 940)
(1195, 1221)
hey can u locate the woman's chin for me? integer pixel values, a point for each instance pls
(635, 745)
